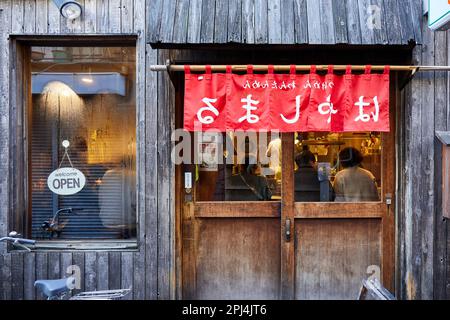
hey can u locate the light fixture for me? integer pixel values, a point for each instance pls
(69, 9)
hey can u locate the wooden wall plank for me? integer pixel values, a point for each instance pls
(234, 32)
(248, 21)
(340, 21)
(166, 111)
(326, 22)
(365, 23)
(288, 22)
(17, 23)
(90, 16)
(142, 72)
(78, 263)
(41, 16)
(17, 275)
(380, 33)
(180, 28)
(54, 266)
(150, 224)
(5, 28)
(300, 21)
(102, 16)
(417, 20)
(5, 285)
(29, 16)
(114, 20)
(102, 270)
(167, 21)
(440, 112)
(407, 27)
(426, 186)
(138, 276)
(314, 30)
(274, 21)
(154, 20)
(220, 21)
(126, 280)
(90, 269)
(126, 19)
(207, 25)
(392, 13)
(353, 22)
(41, 271)
(29, 276)
(115, 270)
(194, 21)
(261, 21)
(53, 17)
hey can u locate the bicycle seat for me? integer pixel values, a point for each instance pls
(52, 288)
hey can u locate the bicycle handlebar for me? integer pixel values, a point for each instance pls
(18, 240)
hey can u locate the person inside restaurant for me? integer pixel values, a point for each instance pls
(354, 183)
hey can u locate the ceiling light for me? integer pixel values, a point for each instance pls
(69, 9)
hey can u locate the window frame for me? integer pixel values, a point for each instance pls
(20, 111)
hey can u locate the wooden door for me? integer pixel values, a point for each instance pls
(284, 249)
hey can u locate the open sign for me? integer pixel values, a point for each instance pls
(66, 181)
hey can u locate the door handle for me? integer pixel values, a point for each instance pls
(287, 231)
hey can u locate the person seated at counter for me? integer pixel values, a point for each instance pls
(354, 183)
(306, 179)
(247, 185)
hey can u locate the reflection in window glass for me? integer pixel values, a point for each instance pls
(85, 96)
(248, 168)
(339, 167)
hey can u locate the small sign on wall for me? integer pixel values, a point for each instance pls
(438, 14)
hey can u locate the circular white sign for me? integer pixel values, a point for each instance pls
(66, 181)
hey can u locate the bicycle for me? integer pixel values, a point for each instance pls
(59, 289)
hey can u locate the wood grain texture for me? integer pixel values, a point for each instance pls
(274, 21)
(340, 21)
(207, 24)
(234, 33)
(220, 21)
(238, 259)
(314, 28)
(326, 22)
(353, 22)
(237, 209)
(180, 27)
(248, 21)
(300, 21)
(261, 21)
(333, 256)
(287, 218)
(287, 22)
(194, 21)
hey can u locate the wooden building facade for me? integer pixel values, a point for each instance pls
(408, 238)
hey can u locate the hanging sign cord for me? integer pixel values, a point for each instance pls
(66, 154)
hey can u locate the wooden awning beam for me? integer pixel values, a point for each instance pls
(286, 68)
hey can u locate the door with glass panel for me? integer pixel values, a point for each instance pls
(303, 215)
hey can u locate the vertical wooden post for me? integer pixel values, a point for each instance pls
(287, 217)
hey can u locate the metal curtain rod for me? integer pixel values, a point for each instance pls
(199, 68)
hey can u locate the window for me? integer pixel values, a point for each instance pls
(83, 118)
(247, 169)
(339, 167)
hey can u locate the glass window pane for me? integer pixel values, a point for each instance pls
(247, 168)
(340, 167)
(85, 96)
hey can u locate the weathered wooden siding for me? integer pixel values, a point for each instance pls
(423, 241)
(150, 270)
(284, 22)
